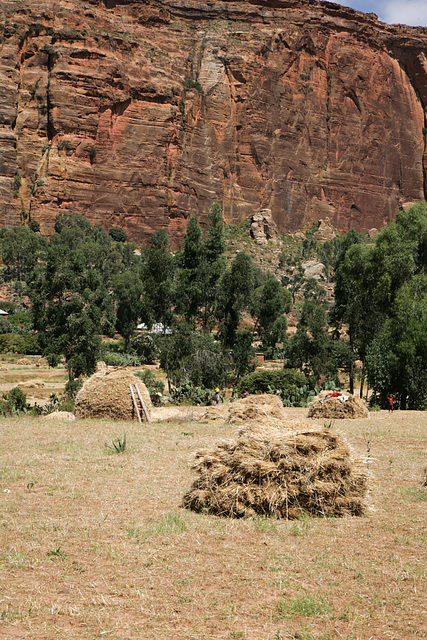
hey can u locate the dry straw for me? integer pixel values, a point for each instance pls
(334, 408)
(107, 394)
(282, 471)
(262, 408)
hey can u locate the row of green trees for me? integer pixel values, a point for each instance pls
(83, 282)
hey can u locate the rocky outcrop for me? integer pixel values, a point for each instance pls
(263, 227)
(314, 269)
(137, 114)
(325, 232)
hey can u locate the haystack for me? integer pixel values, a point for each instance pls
(260, 409)
(353, 407)
(32, 384)
(256, 408)
(268, 471)
(107, 394)
(24, 361)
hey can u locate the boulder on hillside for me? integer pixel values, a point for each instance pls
(314, 269)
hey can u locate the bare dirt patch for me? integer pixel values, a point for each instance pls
(95, 545)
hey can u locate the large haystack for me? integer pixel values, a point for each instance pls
(283, 473)
(107, 394)
(353, 407)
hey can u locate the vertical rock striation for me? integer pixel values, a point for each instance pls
(138, 113)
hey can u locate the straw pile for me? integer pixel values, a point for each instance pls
(263, 408)
(32, 384)
(60, 415)
(256, 408)
(107, 394)
(334, 408)
(279, 472)
(24, 361)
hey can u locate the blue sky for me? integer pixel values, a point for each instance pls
(412, 12)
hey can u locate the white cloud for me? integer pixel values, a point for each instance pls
(412, 12)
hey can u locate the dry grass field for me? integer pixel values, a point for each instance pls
(94, 544)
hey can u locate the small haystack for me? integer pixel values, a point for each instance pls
(270, 471)
(256, 408)
(351, 407)
(107, 394)
(32, 384)
(24, 361)
(260, 409)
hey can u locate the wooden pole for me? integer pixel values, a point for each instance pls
(147, 417)
(135, 403)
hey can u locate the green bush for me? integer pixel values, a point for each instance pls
(116, 234)
(112, 346)
(145, 348)
(121, 360)
(188, 393)
(5, 326)
(289, 384)
(24, 344)
(73, 387)
(13, 402)
(17, 399)
(21, 319)
(153, 385)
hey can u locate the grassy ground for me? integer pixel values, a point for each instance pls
(95, 545)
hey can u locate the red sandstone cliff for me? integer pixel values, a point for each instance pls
(138, 113)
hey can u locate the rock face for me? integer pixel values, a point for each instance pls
(139, 113)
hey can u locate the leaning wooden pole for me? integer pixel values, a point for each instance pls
(147, 415)
(135, 403)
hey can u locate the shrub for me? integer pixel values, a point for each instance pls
(17, 399)
(145, 348)
(13, 402)
(5, 326)
(153, 385)
(16, 184)
(20, 318)
(116, 346)
(14, 343)
(121, 360)
(117, 234)
(193, 85)
(73, 387)
(188, 393)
